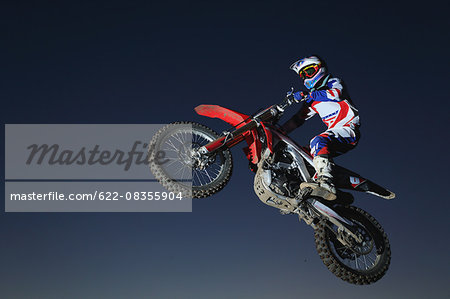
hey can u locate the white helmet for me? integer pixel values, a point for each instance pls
(310, 70)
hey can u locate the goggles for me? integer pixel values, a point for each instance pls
(309, 71)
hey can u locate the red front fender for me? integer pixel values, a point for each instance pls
(215, 111)
(236, 119)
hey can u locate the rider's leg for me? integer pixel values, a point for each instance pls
(320, 149)
(329, 144)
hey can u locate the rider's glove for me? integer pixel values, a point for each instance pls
(300, 95)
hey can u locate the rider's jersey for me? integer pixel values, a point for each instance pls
(334, 110)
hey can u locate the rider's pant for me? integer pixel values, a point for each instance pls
(334, 142)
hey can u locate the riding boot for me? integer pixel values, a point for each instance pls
(323, 167)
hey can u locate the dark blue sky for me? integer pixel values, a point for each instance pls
(148, 62)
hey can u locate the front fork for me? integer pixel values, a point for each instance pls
(203, 155)
(206, 154)
(230, 139)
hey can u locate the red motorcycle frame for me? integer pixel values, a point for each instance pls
(247, 129)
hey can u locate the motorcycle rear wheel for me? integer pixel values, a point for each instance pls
(363, 263)
(178, 139)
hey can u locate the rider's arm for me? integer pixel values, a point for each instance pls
(332, 94)
(298, 119)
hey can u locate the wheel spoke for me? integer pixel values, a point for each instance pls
(365, 262)
(210, 179)
(169, 142)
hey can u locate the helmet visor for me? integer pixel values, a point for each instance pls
(309, 71)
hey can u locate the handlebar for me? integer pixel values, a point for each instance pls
(290, 99)
(277, 110)
(269, 114)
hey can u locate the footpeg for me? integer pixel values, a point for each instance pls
(318, 191)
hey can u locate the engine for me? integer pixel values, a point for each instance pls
(285, 176)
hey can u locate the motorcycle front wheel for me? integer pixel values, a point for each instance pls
(178, 172)
(361, 263)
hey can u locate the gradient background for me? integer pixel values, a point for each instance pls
(117, 62)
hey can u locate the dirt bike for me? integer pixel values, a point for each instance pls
(350, 242)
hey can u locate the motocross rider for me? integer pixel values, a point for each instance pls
(327, 98)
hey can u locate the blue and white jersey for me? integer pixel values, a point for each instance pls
(328, 102)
